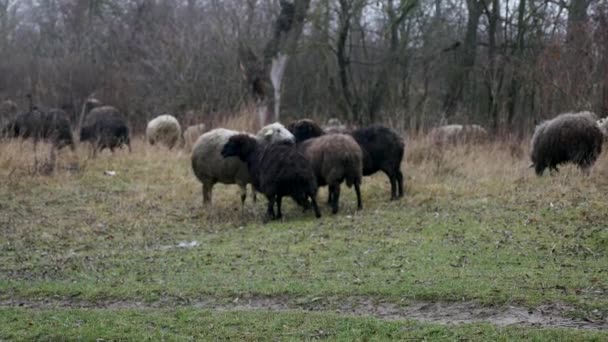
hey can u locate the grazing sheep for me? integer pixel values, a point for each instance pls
(456, 134)
(104, 127)
(277, 170)
(383, 151)
(335, 158)
(276, 132)
(52, 125)
(569, 137)
(164, 129)
(192, 133)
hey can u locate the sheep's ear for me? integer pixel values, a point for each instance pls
(268, 134)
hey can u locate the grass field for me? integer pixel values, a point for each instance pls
(479, 249)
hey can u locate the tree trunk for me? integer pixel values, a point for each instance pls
(269, 72)
(517, 53)
(466, 60)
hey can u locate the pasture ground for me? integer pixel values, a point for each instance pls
(478, 249)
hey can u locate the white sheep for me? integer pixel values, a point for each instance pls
(276, 132)
(164, 129)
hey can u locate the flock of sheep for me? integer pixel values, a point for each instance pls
(296, 160)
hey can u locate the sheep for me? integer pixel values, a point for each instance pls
(103, 127)
(192, 133)
(276, 132)
(382, 150)
(277, 170)
(51, 125)
(164, 129)
(209, 167)
(455, 134)
(334, 158)
(305, 129)
(569, 137)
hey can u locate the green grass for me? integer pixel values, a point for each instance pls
(189, 324)
(476, 225)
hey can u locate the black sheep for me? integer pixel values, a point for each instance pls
(51, 125)
(105, 127)
(276, 170)
(382, 151)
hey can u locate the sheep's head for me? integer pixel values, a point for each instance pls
(275, 133)
(305, 129)
(603, 126)
(91, 104)
(240, 145)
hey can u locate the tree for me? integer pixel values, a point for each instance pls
(268, 73)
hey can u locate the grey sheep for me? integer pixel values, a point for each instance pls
(569, 137)
(210, 167)
(335, 158)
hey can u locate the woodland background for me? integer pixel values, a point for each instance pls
(411, 63)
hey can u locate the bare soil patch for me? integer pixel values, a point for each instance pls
(447, 313)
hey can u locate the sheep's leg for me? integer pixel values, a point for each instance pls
(207, 191)
(314, 206)
(279, 213)
(334, 190)
(243, 188)
(400, 182)
(393, 181)
(358, 192)
(270, 211)
(329, 196)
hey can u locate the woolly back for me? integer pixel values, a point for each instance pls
(562, 133)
